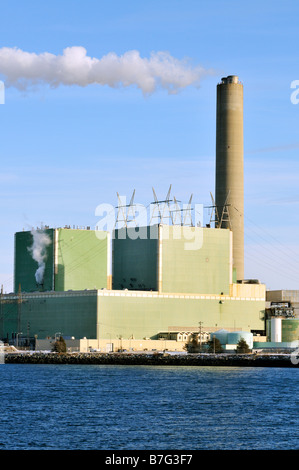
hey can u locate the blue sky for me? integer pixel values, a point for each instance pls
(65, 150)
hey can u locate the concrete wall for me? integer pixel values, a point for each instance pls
(248, 290)
(283, 296)
(72, 345)
(114, 344)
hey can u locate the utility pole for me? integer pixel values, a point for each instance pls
(200, 341)
(28, 334)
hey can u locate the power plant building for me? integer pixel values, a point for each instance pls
(147, 282)
(139, 314)
(192, 282)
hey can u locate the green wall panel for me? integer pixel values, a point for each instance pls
(115, 314)
(290, 330)
(135, 259)
(8, 318)
(78, 257)
(70, 314)
(205, 268)
(81, 260)
(145, 317)
(25, 267)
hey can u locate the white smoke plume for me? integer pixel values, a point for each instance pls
(24, 70)
(38, 251)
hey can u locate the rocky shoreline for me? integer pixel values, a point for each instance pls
(156, 359)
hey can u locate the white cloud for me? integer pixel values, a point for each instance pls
(23, 70)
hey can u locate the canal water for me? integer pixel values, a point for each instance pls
(101, 407)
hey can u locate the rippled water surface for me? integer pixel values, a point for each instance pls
(156, 408)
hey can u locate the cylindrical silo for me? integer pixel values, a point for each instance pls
(276, 329)
(235, 336)
(289, 330)
(229, 164)
(221, 335)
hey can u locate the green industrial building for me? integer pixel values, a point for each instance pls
(103, 314)
(169, 280)
(61, 259)
(156, 281)
(173, 258)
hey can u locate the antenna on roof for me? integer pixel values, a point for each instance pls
(188, 213)
(225, 217)
(123, 212)
(179, 213)
(165, 203)
(224, 213)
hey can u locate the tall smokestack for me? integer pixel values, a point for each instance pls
(229, 164)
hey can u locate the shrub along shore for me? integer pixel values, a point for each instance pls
(155, 359)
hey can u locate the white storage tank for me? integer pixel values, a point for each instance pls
(221, 335)
(235, 336)
(276, 330)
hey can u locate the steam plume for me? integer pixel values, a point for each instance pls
(38, 251)
(27, 69)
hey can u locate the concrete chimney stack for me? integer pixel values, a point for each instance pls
(229, 164)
